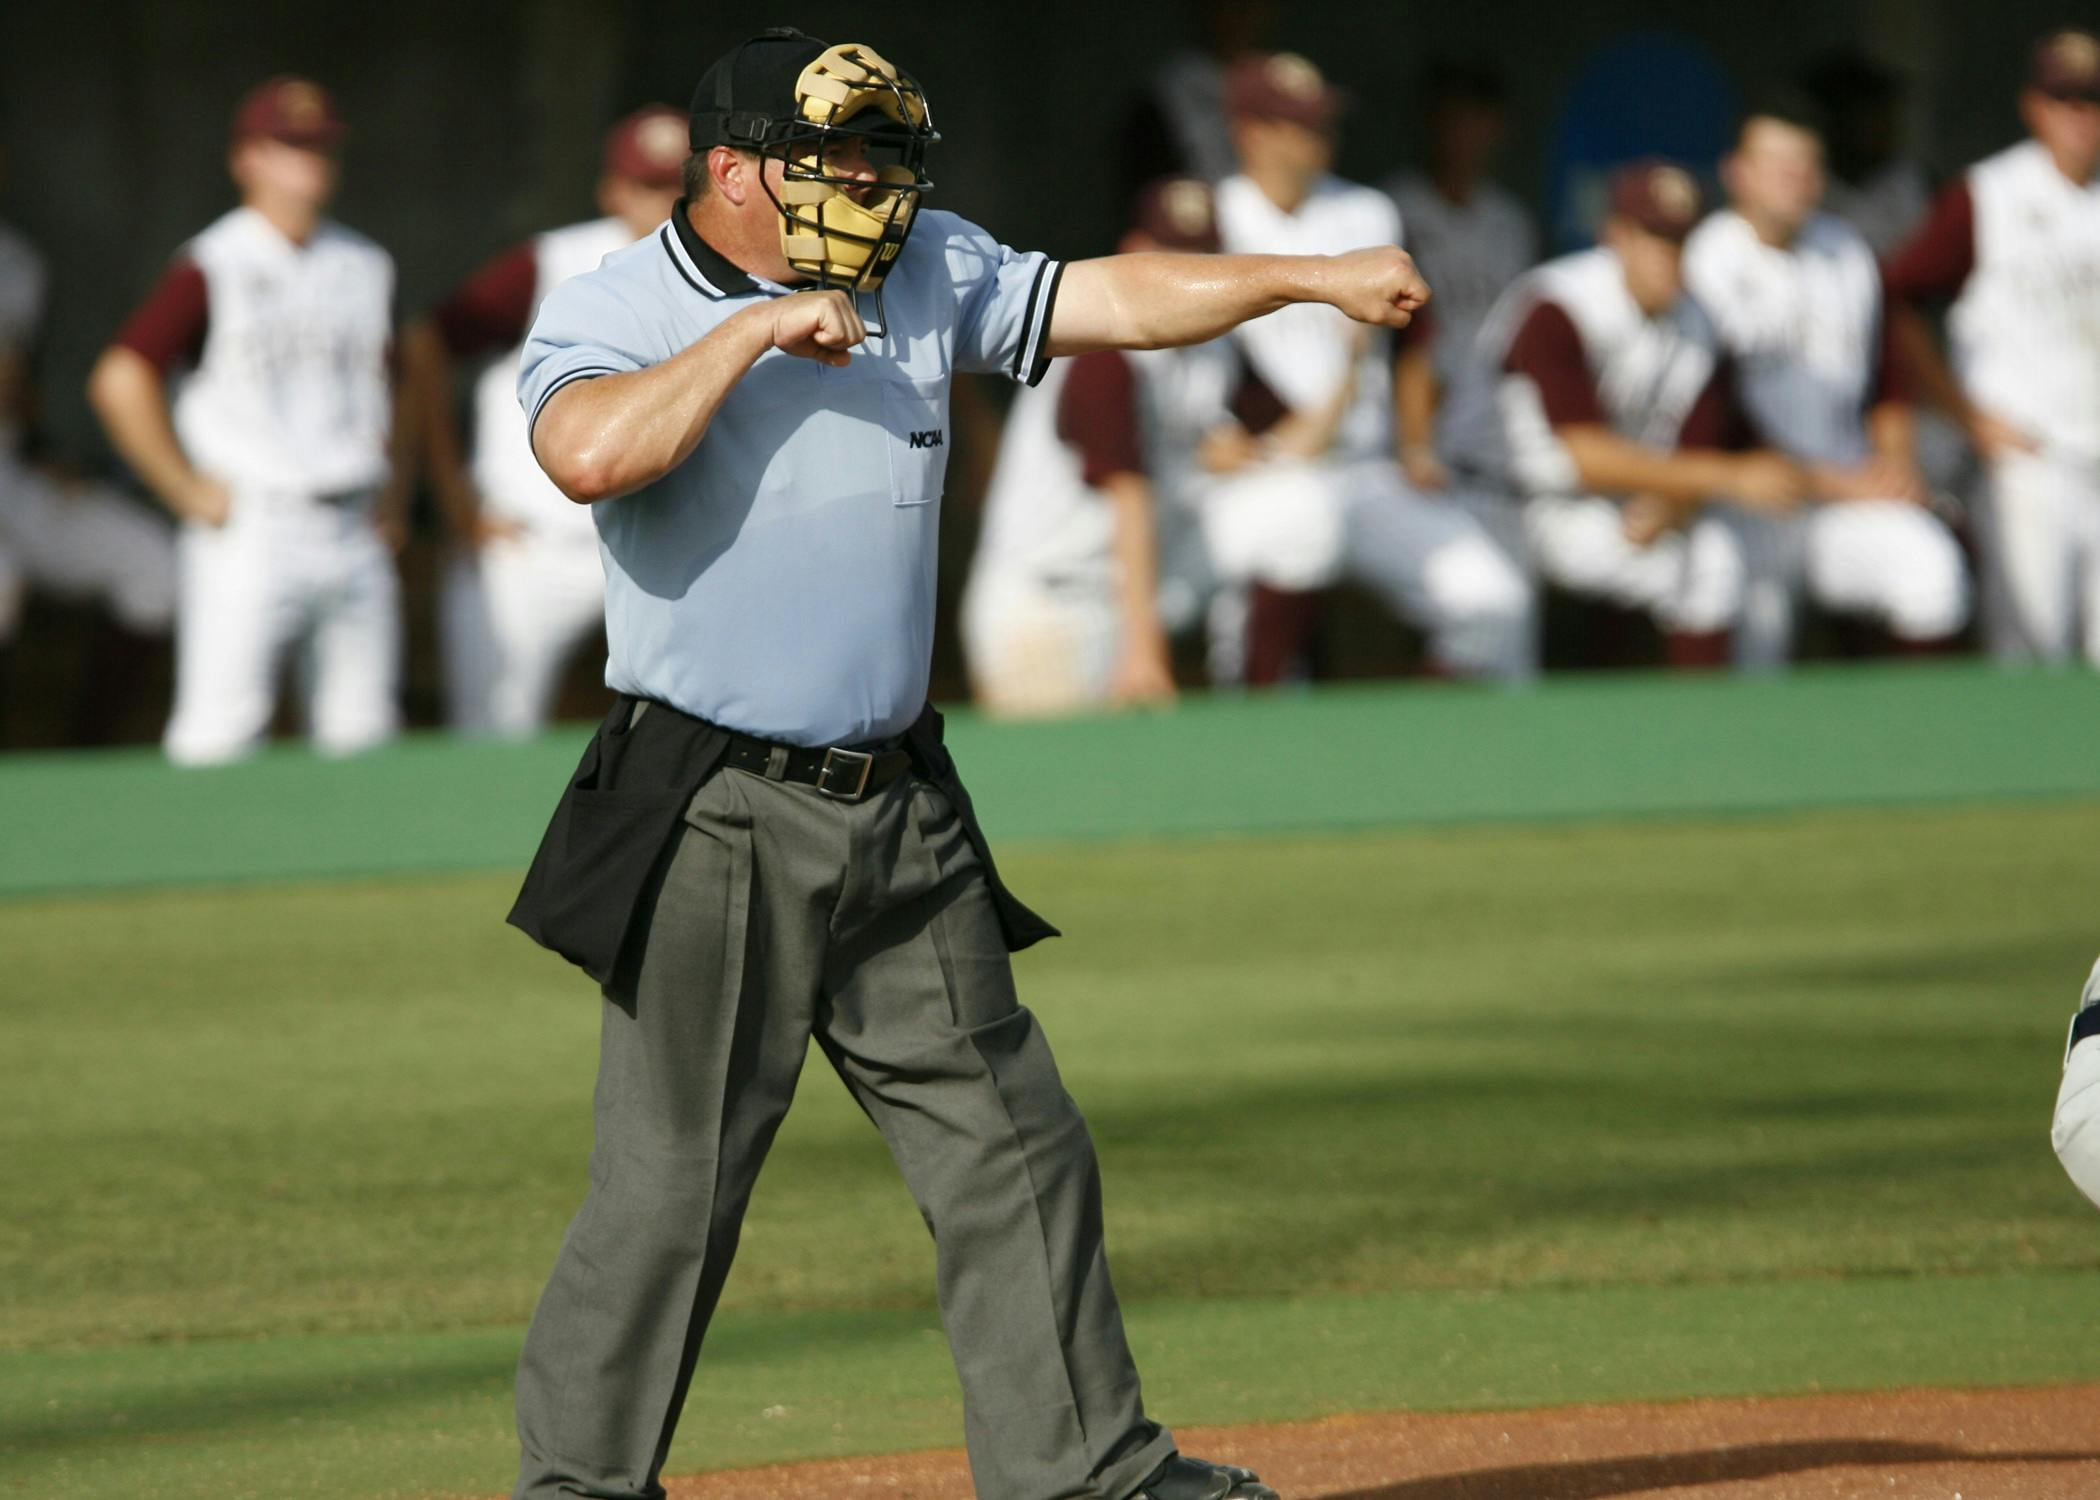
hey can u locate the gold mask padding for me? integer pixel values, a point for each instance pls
(833, 238)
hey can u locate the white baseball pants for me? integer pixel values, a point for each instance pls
(1035, 649)
(1303, 526)
(1740, 570)
(511, 617)
(2041, 558)
(287, 576)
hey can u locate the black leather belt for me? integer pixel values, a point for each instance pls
(843, 774)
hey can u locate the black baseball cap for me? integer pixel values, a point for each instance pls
(750, 86)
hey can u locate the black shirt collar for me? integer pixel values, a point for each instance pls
(722, 278)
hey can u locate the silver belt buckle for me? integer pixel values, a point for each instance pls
(835, 758)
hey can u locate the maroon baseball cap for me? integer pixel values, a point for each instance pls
(297, 111)
(2066, 65)
(648, 146)
(1283, 86)
(1178, 213)
(1659, 195)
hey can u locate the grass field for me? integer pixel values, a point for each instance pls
(1463, 1116)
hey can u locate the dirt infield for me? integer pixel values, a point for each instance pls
(1976, 1445)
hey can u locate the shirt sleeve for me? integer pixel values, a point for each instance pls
(585, 329)
(1255, 405)
(1003, 302)
(167, 329)
(1716, 419)
(1934, 263)
(1097, 416)
(1892, 381)
(1547, 351)
(492, 308)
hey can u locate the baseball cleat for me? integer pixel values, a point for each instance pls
(1182, 1478)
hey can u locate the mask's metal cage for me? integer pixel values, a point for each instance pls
(845, 231)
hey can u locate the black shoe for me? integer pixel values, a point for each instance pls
(1193, 1479)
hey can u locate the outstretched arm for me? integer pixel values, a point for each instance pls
(1162, 301)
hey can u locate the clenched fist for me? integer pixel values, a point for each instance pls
(1379, 285)
(820, 325)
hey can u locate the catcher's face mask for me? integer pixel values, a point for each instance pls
(839, 228)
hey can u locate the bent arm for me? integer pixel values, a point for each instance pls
(1610, 464)
(426, 410)
(605, 437)
(1157, 300)
(1143, 673)
(610, 435)
(131, 400)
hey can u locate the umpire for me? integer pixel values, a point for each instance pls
(766, 841)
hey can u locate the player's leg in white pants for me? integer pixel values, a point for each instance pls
(544, 594)
(1693, 580)
(1284, 524)
(1436, 566)
(1767, 549)
(1891, 561)
(1281, 524)
(353, 658)
(1727, 570)
(241, 601)
(1035, 651)
(2030, 557)
(468, 643)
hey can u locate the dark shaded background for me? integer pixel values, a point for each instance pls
(476, 122)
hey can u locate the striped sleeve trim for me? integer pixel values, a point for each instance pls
(1030, 360)
(588, 372)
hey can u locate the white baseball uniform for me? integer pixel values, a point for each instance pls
(1805, 328)
(1567, 345)
(1428, 557)
(515, 610)
(279, 354)
(1469, 252)
(2075, 1129)
(1041, 622)
(83, 542)
(2016, 245)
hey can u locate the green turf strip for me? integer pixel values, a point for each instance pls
(1339, 758)
(1787, 1046)
(357, 1417)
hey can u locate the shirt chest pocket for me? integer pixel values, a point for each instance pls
(915, 416)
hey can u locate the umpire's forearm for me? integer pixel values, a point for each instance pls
(1156, 300)
(602, 438)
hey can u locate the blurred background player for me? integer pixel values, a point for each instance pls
(525, 586)
(2014, 244)
(250, 391)
(1599, 394)
(1431, 561)
(1129, 489)
(1470, 236)
(1796, 294)
(60, 534)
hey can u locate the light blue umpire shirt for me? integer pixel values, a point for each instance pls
(780, 581)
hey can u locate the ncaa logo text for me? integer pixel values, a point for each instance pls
(930, 438)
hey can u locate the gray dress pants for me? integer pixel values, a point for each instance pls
(785, 915)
